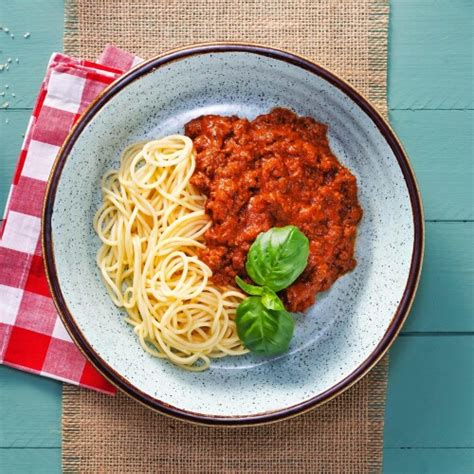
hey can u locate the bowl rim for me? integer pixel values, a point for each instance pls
(386, 131)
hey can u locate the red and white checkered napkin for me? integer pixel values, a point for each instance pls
(32, 336)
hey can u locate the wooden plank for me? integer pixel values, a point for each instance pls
(439, 144)
(440, 147)
(430, 54)
(433, 461)
(43, 19)
(430, 399)
(429, 402)
(396, 461)
(428, 39)
(445, 298)
(449, 260)
(30, 410)
(30, 461)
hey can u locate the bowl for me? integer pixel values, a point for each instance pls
(340, 338)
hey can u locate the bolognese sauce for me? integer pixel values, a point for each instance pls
(275, 170)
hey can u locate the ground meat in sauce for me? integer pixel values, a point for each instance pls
(270, 172)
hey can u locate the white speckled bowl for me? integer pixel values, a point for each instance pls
(349, 328)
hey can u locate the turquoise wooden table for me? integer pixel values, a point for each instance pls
(429, 420)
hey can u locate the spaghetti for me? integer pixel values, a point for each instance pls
(151, 225)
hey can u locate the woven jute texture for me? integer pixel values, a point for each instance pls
(104, 434)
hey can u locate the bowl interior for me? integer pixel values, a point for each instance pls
(345, 325)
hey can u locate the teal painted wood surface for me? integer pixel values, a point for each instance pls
(43, 19)
(429, 410)
(430, 399)
(428, 461)
(30, 414)
(440, 146)
(445, 297)
(430, 54)
(30, 461)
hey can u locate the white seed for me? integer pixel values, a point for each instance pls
(9, 60)
(6, 86)
(6, 30)
(1, 67)
(7, 67)
(13, 94)
(17, 60)
(26, 35)
(2, 94)
(5, 105)
(12, 36)
(6, 120)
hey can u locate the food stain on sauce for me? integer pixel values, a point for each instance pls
(271, 172)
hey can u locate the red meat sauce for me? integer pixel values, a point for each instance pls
(274, 171)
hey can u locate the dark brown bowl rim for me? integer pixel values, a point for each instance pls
(400, 314)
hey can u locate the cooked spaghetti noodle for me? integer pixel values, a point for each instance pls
(151, 225)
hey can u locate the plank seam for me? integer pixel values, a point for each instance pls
(45, 448)
(428, 447)
(436, 333)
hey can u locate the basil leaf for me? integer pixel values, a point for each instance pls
(249, 289)
(278, 257)
(271, 300)
(263, 331)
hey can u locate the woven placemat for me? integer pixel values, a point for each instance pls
(115, 434)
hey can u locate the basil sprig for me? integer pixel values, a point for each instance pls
(264, 331)
(278, 257)
(249, 289)
(275, 260)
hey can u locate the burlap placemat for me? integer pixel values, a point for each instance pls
(114, 434)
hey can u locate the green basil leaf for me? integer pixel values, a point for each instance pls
(278, 257)
(263, 331)
(249, 289)
(271, 300)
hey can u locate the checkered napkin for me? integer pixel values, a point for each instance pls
(32, 336)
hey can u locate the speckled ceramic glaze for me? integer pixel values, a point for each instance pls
(350, 326)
